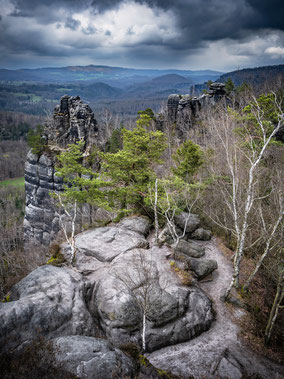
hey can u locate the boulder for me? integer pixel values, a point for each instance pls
(48, 302)
(201, 234)
(91, 358)
(174, 313)
(190, 249)
(138, 224)
(166, 237)
(189, 221)
(107, 242)
(202, 267)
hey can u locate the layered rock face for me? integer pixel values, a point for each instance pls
(72, 121)
(183, 109)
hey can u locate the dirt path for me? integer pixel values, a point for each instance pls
(217, 353)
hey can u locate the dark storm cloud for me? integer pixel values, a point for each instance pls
(197, 22)
(211, 20)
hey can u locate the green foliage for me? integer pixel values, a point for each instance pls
(147, 112)
(114, 144)
(188, 158)
(208, 83)
(174, 195)
(229, 85)
(81, 183)
(35, 140)
(16, 182)
(243, 88)
(131, 169)
(251, 130)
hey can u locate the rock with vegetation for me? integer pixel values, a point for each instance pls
(127, 281)
(183, 110)
(72, 121)
(187, 221)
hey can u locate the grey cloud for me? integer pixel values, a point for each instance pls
(72, 24)
(198, 22)
(89, 30)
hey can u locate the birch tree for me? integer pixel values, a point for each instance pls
(278, 299)
(241, 141)
(168, 198)
(139, 280)
(80, 186)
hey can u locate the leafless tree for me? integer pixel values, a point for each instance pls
(237, 172)
(139, 279)
(67, 214)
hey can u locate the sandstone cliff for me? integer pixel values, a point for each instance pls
(182, 110)
(72, 120)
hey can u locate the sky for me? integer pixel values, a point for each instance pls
(221, 35)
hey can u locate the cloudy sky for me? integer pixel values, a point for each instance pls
(188, 34)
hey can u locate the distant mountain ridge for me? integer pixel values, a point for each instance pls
(254, 76)
(99, 73)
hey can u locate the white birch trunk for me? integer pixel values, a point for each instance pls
(266, 252)
(275, 308)
(156, 212)
(143, 335)
(249, 201)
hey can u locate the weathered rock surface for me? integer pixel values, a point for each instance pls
(202, 267)
(72, 120)
(117, 278)
(174, 313)
(187, 221)
(106, 243)
(48, 302)
(122, 273)
(182, 110)
(91, 358)
(190, 249)
(201, 234)
(219, 352)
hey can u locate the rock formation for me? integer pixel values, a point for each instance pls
(101, 296)
(183, 109)
(72, 121)
(63, 312)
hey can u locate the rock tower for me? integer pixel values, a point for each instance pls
(72, 120)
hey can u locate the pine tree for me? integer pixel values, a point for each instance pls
(130, 170)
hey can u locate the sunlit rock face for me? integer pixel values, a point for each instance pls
(72, 121)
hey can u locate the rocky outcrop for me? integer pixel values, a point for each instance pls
(116, 279)
(55, 315)
(126, 275)
(48, 302)
(182, 110)
(91, 358)
(72, 120)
